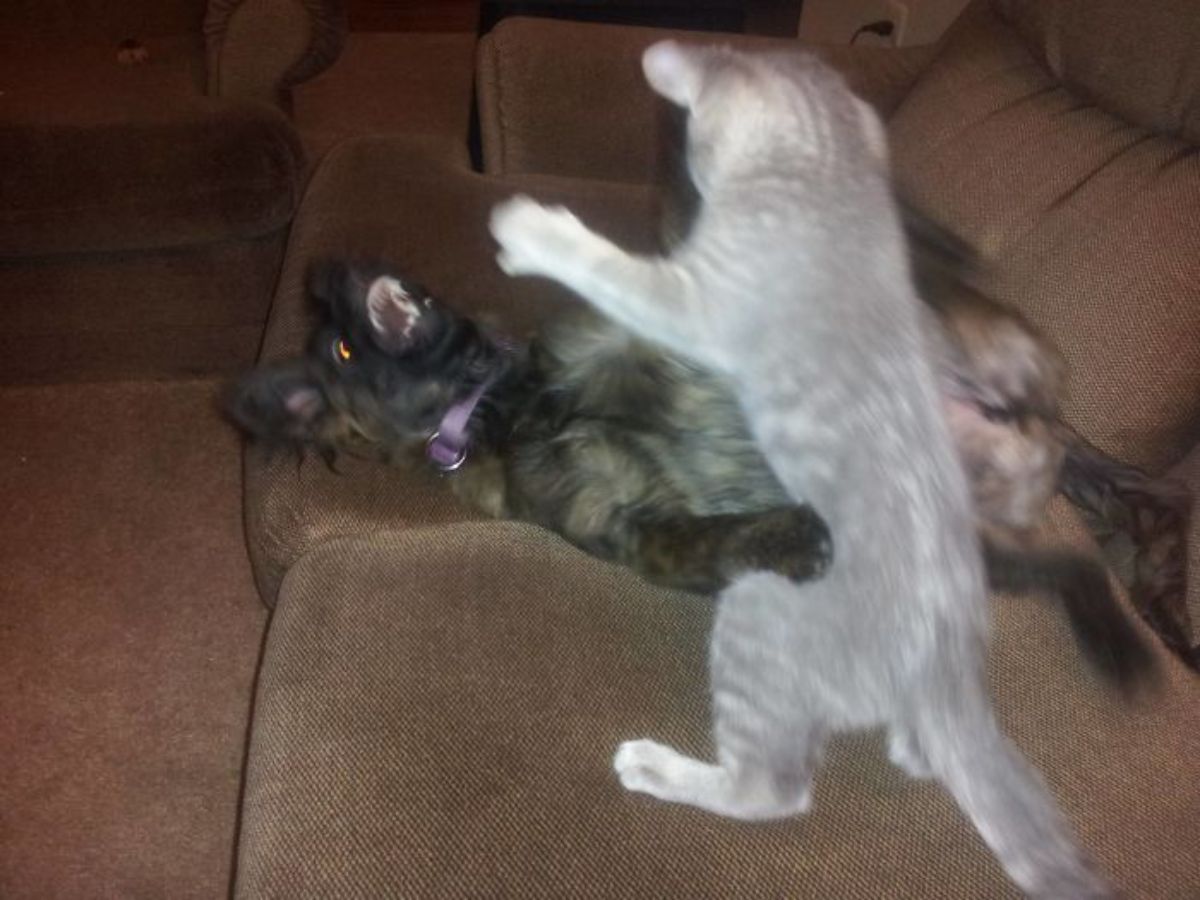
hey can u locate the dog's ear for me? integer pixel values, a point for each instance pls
(277, 403)
(395, 310)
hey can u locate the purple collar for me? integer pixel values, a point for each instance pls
(447, 447)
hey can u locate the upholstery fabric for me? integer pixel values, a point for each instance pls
(556, 98)
(437, 710)
(194, 171)
(411, 202)
(1089, 220)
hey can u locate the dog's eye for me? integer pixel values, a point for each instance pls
(341, 351)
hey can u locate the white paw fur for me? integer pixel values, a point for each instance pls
(535, 239)
(907, 756)
(645, 766)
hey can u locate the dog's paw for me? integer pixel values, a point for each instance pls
(535, 239)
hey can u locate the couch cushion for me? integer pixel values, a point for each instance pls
(1090, 218)
(413, 202)
(437, 710)
(1099, 48)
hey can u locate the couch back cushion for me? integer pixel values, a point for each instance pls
(1140, 61)
(1061, 141)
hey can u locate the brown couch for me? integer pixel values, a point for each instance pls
(440, 696)
(145, 206)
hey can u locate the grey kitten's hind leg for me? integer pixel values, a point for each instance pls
(769, 735)
(904, 751)
(737, 790)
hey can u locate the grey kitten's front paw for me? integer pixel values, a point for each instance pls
(535, 239)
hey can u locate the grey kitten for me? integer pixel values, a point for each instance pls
(825, 348)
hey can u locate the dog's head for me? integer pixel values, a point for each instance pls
(1001, 384)
(384, 363)
(1001, 381)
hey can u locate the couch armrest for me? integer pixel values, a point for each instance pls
(564, 98)
(260, 49)
(195, 171)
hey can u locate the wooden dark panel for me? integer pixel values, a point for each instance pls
(774, 17)
(413, 15)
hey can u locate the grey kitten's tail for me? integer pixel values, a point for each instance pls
(1009, 805)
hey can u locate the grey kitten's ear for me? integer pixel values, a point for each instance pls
(672, 71)
(393, 312)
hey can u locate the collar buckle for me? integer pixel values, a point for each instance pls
(445, 455)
